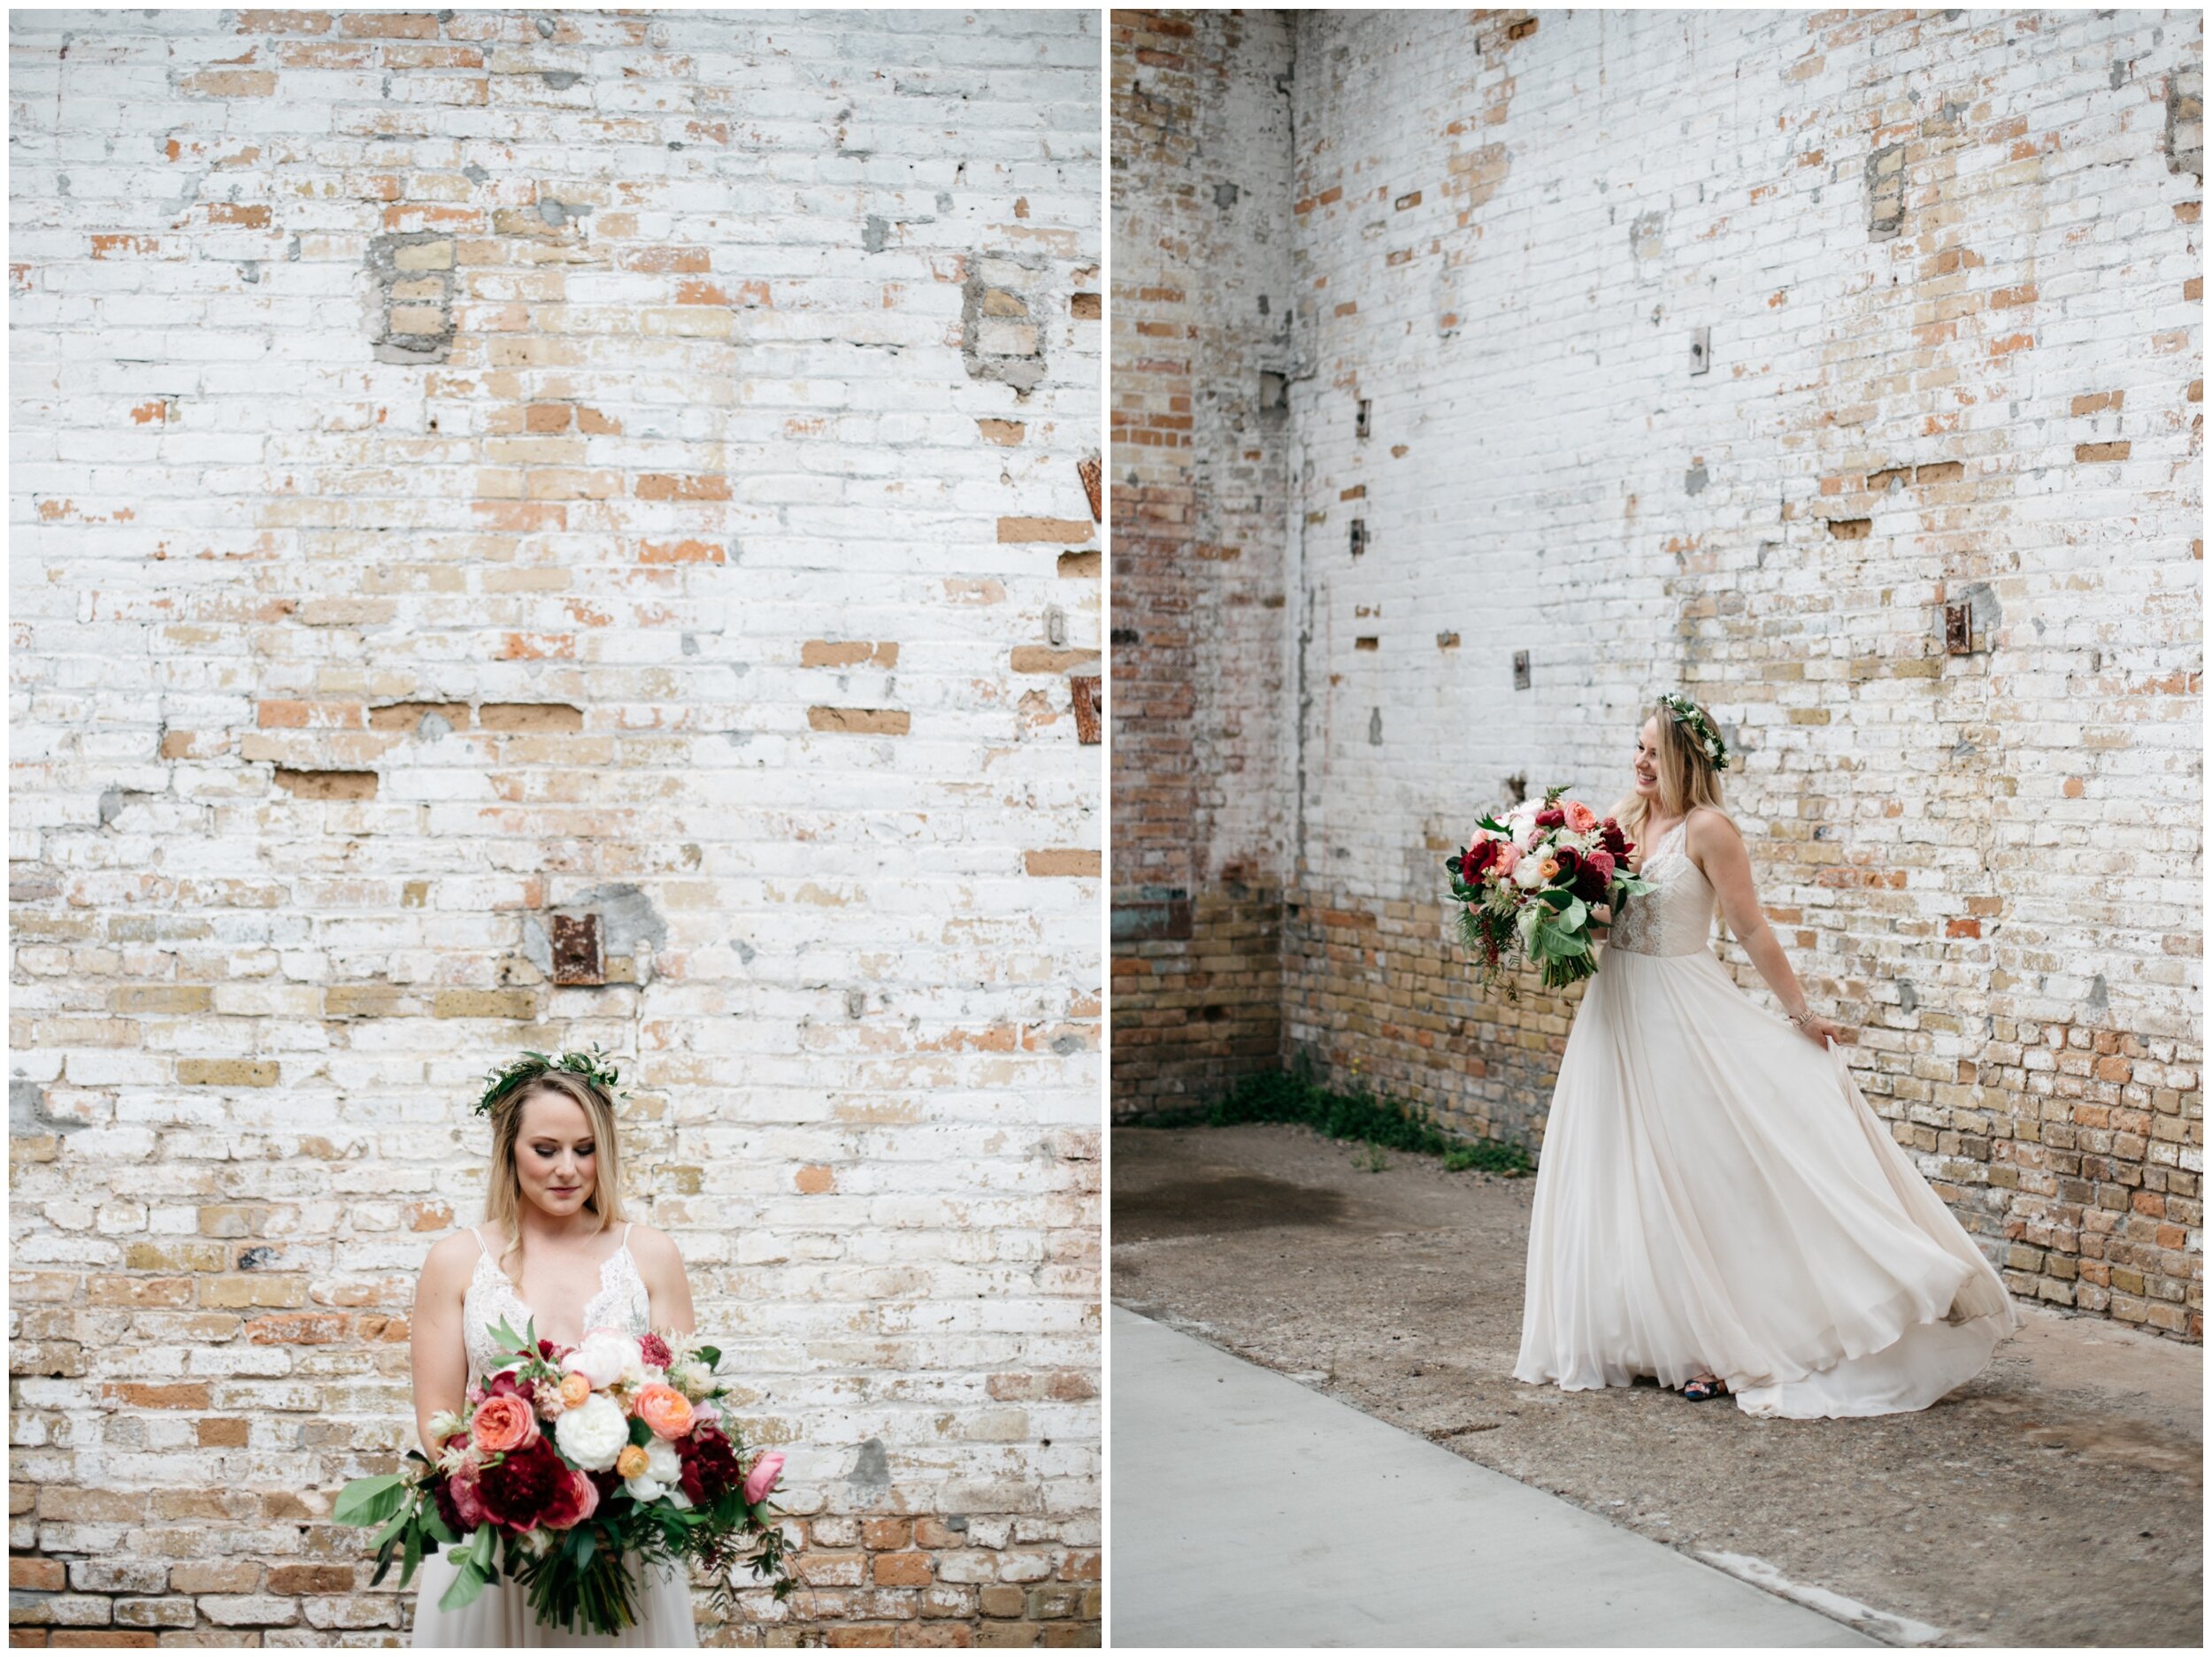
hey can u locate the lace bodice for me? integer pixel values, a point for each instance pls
(621, 1303)
(1676, 916)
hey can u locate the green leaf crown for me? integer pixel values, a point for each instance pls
(1687, 712)
(594, 1067)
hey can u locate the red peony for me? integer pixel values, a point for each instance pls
(1478, 860)
(505, 1382)
(1612, 839)
(517, 1493)
(1551, 817)
(572, 1506)
(656, 1350)
(1570, 863)
(710, 1464)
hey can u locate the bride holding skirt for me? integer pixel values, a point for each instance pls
(1715, 1200)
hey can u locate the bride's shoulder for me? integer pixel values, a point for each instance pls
(452, 1257)
(1710, 824)
(649, 1242)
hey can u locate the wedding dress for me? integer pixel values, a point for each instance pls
(500, 1615)
(1715, 1195)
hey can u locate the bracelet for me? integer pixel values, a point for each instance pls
(1799, 1018)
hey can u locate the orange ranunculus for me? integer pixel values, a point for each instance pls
(665, 1410)
(632, 1461)
(504, 1422)
(575, 1388)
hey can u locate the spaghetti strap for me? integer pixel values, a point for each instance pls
(479, 1236)
(625, 1233)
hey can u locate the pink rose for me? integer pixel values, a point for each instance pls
(1580, 818)
(761, 1479)
(1508, 854)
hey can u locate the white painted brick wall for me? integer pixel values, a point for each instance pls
(710, 410)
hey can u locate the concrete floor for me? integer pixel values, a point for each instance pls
(1249, 1510)
(2055, 1501)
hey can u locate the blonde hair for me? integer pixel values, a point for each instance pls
(502, 1195)
(1687, 780)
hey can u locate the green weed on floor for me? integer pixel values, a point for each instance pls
(1357, 1114)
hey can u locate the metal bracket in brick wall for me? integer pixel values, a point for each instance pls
(576, 958)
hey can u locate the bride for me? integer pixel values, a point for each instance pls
(1717, 1205)
(544, 1250)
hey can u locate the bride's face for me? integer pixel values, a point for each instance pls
(1647, 760)
(555, 1156)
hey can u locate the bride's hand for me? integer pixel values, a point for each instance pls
(1600, 919)
(1818, 1031)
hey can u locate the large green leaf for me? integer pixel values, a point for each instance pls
(368, 1500)
(467, 1586)
(709, 1355)
(390, 1532)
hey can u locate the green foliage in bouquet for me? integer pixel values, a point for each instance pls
(1548, 926)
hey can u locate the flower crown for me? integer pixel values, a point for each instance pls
(594, 1067)
(1688, 713)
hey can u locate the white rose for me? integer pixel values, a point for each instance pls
(663, 1468)
(592, 1434)
(609, 1358)
(1529, 872)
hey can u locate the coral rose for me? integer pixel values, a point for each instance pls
(665, 1410)
(1580, 818)
(504, 1422)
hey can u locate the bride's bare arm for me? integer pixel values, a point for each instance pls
(441, 1360)
(1719, 849)
(662, 1269)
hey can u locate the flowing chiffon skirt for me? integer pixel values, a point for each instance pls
(500, 1615)
(1715, 1193)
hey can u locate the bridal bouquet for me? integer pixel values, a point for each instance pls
(1528, 885)
(567, 1459)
